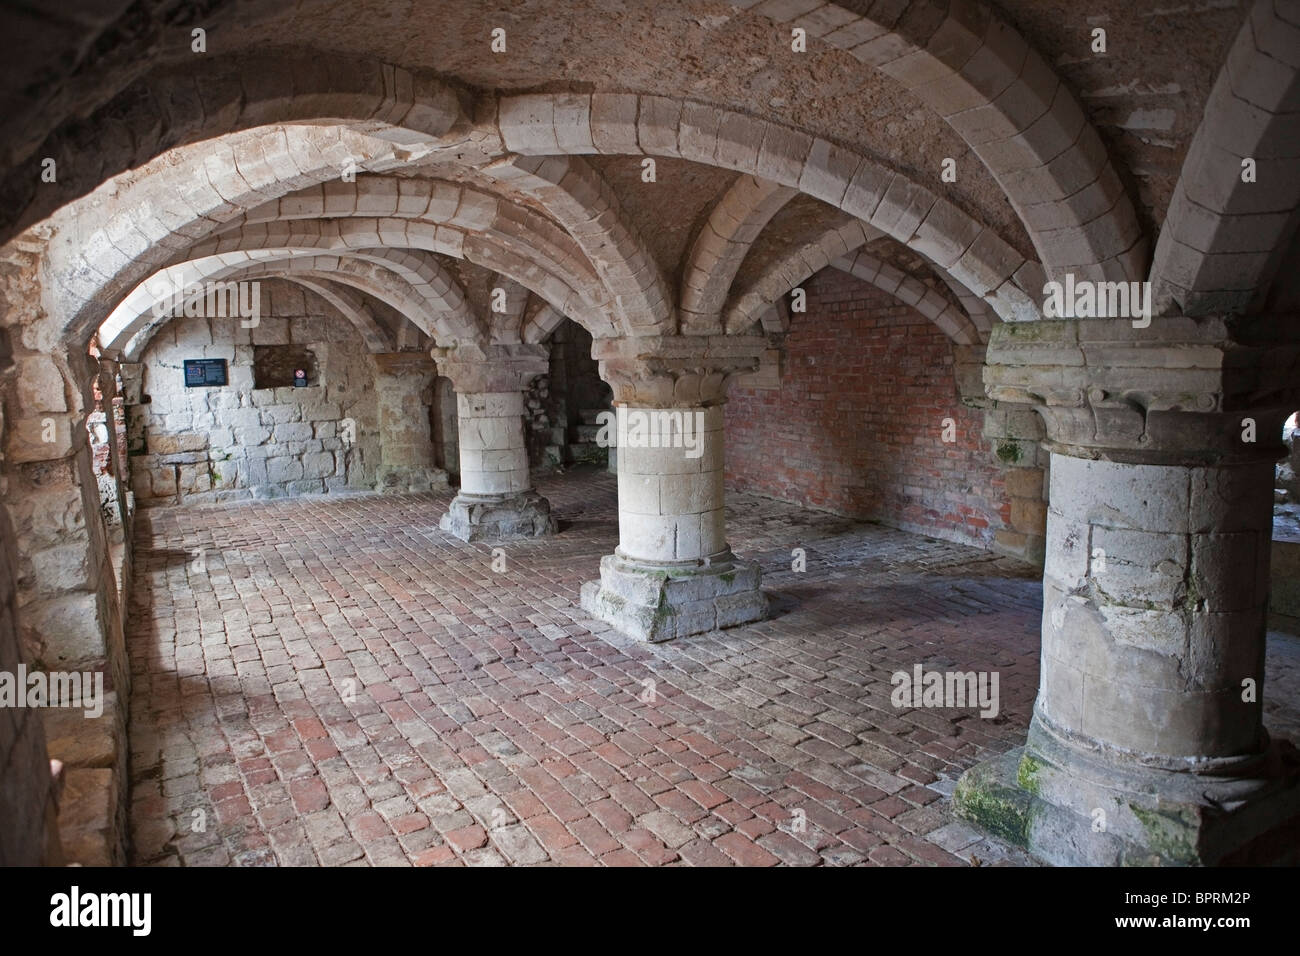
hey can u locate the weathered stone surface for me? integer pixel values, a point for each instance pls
(87, 817)
(243, 440)
(1071, 812)
(498, 518)
(1155, 594)
(663, 603)
(81, 741)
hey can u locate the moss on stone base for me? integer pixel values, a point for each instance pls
(983, 800)
(1168, 835)
(1009, 452)
(1027, 773)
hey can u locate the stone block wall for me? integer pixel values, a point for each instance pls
(28, 795)
(59, 594)
(857, 424)
(238, 441)
(1013, 436)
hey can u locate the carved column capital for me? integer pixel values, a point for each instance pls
(674, 371)
(1181, 391)
(491, 368)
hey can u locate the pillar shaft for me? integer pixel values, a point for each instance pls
(671, 507)
(403, 384)
(1147, 744)
(496, 500)
(493, 456)
(1155, 601)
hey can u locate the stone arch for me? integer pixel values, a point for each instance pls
(454, 205)
(1223, 238)
(540, 322)
(339, 294)
(1004, 99)
(958, 59)
(456, 209)
(841, 247)
(97, 255)
(627, 123)
(123, 249)
(175, 105)
(358, 275)
(399, 284)
(976, 309)
(581, 201)
(748, 306)
(552, 282)
(723, 241)
(507, 326)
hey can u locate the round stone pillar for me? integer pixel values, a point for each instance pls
(493, 459)
(670, 484)
(1155, 604)
(673, 573)
(496, 500)
(1147, 743)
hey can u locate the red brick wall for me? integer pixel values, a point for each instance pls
(856, 427)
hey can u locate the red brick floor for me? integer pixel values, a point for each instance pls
(339, 682)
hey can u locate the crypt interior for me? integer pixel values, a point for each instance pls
(316, 321)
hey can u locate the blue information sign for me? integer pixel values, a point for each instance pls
(200, 373)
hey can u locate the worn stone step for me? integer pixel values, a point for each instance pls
(80, 741)
(87, 814)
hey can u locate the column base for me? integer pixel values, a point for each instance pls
(498, 517)
(658, 603)
(1068, 808)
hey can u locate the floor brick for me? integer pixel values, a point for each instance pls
(346, 684)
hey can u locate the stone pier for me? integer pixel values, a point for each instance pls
(403, 383)
(496, 500)
(1147, 744)
(673, 573)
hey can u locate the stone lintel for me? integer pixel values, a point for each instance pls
(403, 363)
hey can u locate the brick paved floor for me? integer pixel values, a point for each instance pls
(335, 681)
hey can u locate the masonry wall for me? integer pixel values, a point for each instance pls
(237, 441)
(27, 790)
(59, 600)
(857, 424)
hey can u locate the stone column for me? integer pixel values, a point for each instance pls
(673, 573)
(496, 500)
(404, 383)
(1147, 744)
